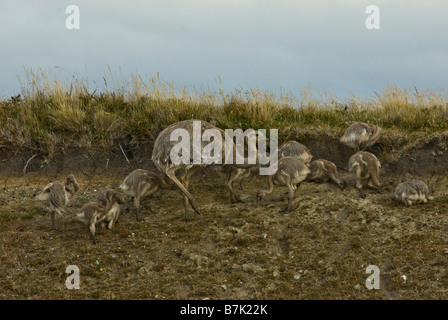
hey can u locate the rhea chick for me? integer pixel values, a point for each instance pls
(231, 174)
(58, 195)
(324, 170)
(365, 166)
(141, 183)
(291, 172)
(414, 191)
(105, 210)
(296, 150)
(360, 135)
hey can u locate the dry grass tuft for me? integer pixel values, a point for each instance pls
(49, 111)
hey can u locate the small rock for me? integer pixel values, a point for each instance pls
(245, 196)
(297, 276)
(224, 287)
(143, 271)
(358, 287)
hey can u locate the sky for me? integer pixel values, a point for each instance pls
(278, 46)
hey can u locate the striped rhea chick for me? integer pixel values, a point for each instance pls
(58, 194)
(141, 183)
(105, 210)
(291, 172)
(296, 150)
(324, 170)
(365, 166)
(360, 135)
(414, 191)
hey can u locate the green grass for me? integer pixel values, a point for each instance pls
(48, 112)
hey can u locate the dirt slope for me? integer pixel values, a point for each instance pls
(234, 251)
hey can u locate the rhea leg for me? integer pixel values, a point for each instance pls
(137, 207)
(92, 233)
(143, 191)
(241, 186)
(171, 173)
(290, 197)
(53, 222)
(186, 181)
(116, 212)
(233, 176)
(148, 193)
(370, 185)
(358, 182)
(55, 210)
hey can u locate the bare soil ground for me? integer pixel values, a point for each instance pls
(319, 250)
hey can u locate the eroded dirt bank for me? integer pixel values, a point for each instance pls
(233, 251)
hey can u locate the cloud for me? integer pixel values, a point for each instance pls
(266, 44)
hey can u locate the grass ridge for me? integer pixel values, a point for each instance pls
(49, 112)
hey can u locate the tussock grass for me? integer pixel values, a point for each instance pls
(48, 112)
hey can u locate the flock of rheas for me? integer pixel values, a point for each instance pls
(294, 166)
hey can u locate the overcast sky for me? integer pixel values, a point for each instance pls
(264, 44)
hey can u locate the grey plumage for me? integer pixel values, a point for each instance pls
(58, 195)
(414, 191)
(324, 170)
(365, 166)
(162, 160)
(290, 173)
(141, 183)
(105, 209)
(360, 135)
(296, 150)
